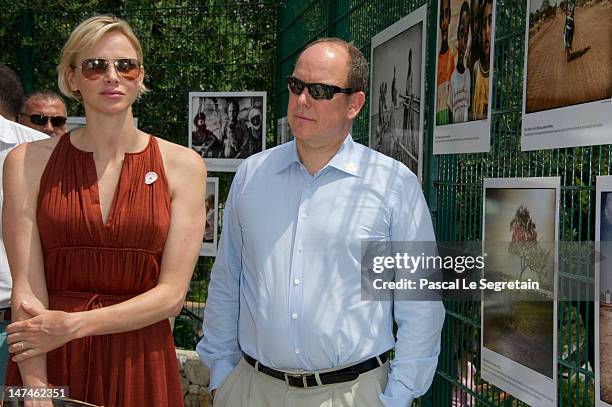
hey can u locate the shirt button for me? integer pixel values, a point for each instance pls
(304, 215)
(296, 281)
(297, 351)
(300, 249)
(294, 316)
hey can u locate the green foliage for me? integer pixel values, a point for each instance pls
(203, 46)
(525, 245)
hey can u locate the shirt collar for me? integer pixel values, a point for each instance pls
(346, 159)
(288, 157)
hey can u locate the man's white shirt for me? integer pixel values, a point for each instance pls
(11, 135)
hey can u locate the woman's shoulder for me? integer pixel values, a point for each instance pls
(28, 160)
(36, 153)
(180, 160)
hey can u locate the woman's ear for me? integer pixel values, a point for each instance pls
(70, 79)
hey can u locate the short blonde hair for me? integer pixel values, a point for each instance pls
(87, 34)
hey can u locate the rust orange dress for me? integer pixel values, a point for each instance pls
(90, 264)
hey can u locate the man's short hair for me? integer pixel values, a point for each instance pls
(358, 66)
(11, 91)
(43, 94)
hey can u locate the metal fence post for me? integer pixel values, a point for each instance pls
(26, 22)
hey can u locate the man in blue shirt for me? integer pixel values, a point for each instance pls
(285, 324)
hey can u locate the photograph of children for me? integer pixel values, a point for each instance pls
(568, 74)
(603, 287)
(519, 327)
(227, 127)
(283, 132)
(396, 125)
(209, 243)
(463, 67)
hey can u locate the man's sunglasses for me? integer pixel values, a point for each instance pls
(41, 120)
(95, 68)
(318, 91)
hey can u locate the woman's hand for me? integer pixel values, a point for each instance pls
(45, 331)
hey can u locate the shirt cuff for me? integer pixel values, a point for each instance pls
(396, 395)
(219, 371)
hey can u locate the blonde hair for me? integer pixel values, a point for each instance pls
(86, 35)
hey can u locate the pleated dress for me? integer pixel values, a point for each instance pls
(90, 264)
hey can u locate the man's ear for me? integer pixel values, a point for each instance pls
(356, 101)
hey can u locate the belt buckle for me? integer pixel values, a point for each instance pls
(297, 376)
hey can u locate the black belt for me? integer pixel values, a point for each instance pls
(5, 314)
(309, 379)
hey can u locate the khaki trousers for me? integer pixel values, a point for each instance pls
(246, 387)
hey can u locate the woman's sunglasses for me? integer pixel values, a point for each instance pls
(318, 91)
(95, 68)
(41, 120)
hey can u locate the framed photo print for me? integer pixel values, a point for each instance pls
(227, 127)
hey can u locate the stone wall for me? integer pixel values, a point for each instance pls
(195, 378)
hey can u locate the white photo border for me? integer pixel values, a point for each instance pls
(228, 164)
(210, 249)
(399, 27)
(602, 184)
(467, 137)
(584, 124)
(527, 377)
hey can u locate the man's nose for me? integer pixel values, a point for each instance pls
(304, 98)
(48, 128)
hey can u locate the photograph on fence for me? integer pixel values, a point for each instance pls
(227, 127)
(283, 132)
(397, 71)
(76, 122)
(464, 67)
(211, 230)
(519, 327)
(567, 98)
(603, 290)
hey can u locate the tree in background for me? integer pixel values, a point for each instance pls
(525, 245)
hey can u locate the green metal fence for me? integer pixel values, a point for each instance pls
(453, 183)
(193, 46)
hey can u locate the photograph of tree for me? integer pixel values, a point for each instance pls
(520, 221)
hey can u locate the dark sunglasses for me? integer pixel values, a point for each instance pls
(318, 91)
(95, 68)
(41, 120)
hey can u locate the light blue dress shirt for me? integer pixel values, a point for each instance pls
(286, 284)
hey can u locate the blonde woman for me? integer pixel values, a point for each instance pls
(105, 226)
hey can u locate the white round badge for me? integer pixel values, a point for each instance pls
(150, 177)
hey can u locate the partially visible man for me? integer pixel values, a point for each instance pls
(285, 324)
(11, 135)
(45, 111)
(11, 93)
